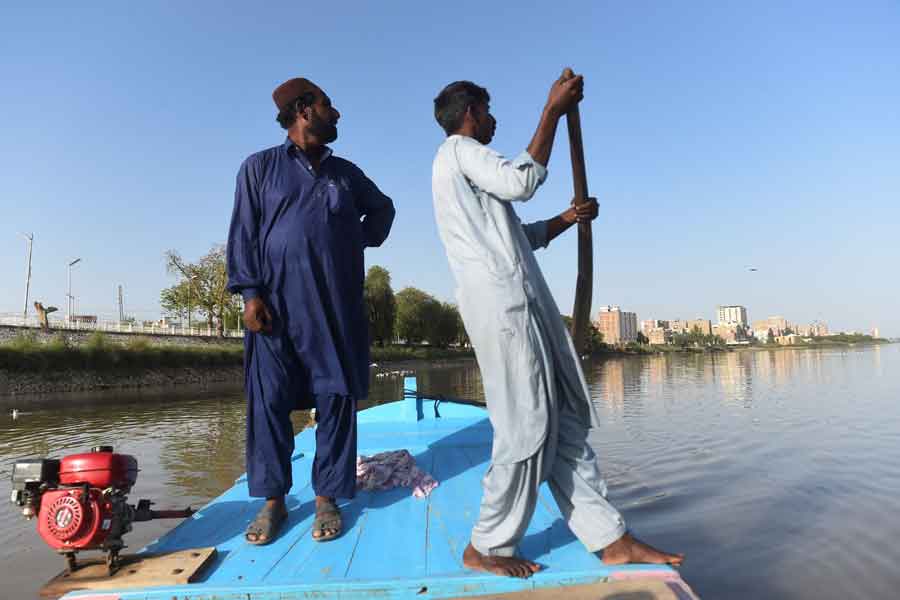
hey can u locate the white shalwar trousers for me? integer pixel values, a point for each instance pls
(569, 465)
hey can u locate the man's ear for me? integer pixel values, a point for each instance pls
(470, 112)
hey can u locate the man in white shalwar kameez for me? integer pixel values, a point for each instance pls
(536, 394)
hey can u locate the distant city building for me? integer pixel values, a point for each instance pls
(788, 340)
(875, 332)
(649, 324)
(817, 329)
(732, 334)
(732, 315)
(762, 335)
(704, 326)
(678, 326)
(658, 335)
(616, 325)
(682, 326)
(778, 325)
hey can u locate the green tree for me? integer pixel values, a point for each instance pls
(417, 315)
(381, 305)
(770, 337)
(176, 300)
(595, 338)
(641, 338)
(448, 327)
(206, 281)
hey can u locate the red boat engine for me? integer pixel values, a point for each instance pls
(81, 501)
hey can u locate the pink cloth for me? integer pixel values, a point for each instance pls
(387, 470)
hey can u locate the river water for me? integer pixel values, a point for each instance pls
(776, 471)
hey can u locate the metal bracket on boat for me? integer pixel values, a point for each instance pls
(411, 400)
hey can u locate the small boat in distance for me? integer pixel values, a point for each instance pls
(394, 545)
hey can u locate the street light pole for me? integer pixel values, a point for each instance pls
(191, 279)
(71, 303)
(29, 239)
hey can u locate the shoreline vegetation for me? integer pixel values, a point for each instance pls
(30, 366)
(98, 353)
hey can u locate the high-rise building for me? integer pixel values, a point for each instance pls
(616, 325)
(732, 315)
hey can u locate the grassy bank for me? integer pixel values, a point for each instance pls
(25, 353)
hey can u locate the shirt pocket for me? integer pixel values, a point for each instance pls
(340, 201)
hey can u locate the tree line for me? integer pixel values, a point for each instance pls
(411, 315)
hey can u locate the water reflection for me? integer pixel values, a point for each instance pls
(776, 458)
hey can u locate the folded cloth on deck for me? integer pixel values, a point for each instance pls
(391, 469)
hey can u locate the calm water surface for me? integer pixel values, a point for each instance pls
(776, 472)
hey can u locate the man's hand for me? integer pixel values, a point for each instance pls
(586, 212)
(582, 213)
(564, 95)
(257, 317)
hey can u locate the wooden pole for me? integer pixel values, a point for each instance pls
(581, 312)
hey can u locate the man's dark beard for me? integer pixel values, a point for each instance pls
(322, 129)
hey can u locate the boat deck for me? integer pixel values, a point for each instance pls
(395, 545)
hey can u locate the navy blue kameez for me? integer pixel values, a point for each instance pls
(296, 241)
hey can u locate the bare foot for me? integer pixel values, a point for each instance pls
(499, 565)
(628, 549)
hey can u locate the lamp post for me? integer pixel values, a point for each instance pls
(191, 279)
(71, 300)
(29, 239)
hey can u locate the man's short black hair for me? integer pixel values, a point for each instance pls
(288, 114)
(451, 104)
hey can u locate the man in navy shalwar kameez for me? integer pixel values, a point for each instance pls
(302, 218)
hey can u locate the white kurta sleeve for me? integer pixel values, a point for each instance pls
(505, 179)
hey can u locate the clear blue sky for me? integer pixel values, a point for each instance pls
(718, 135)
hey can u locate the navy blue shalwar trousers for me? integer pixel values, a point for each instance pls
(270, 444)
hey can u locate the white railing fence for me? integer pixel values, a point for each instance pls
(120, 327)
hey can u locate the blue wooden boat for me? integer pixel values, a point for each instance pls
(395, 545)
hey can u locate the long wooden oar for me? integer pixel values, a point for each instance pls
(581, 313)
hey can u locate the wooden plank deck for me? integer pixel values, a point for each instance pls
(394, 545)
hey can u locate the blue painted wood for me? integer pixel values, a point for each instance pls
(454, 508)
(394, 545)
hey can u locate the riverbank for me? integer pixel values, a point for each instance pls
(33, 364)
(18, 383)
(37, 363)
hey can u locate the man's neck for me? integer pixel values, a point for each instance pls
(466, 132)
(311, 148)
